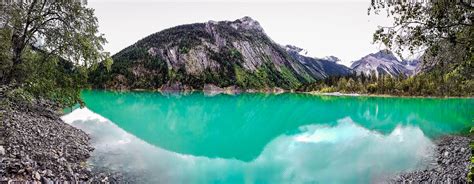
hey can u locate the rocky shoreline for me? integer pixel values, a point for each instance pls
(210, 89)
(452, 163)
(36, 146)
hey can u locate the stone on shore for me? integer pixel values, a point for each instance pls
(452, 163)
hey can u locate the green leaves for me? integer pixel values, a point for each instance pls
(50, 46)
(443, 30)
(53, 78)
(426, 84)
(108, 63)
(64, 28)
(5, 54)
(20, 95)
(420, 25)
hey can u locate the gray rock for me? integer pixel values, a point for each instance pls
(34, 135)
(446, 154)
(36, 176)
(45, 180)
(452, 163)
(2, 151)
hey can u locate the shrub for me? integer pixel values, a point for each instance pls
(328, 90)
(20, 95)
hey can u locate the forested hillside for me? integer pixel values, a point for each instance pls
(227, 53)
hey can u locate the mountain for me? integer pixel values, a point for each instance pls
(332, 58)
(225, 53)
(318, 68)
(413, 66)
(384, 62)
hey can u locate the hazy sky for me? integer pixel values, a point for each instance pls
(340, 28)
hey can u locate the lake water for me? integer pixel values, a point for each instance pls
(265, 138)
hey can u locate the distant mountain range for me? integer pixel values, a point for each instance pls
(235, 54)
(318, 68)
(384, 62)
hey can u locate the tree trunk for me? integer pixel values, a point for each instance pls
(15, 72)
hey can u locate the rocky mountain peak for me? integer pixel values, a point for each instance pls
(318, 68)
(384, 62)
(332, 58)
(384, 54)
(247, 23)
(293, 48)
(298, 50)
(221, 53)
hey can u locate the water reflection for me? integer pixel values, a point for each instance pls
(239, 127)
(338, 152)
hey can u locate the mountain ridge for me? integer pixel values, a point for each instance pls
(384, 62)
(222, 53)
(226, 54)
(320, 68)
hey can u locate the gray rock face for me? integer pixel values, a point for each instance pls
(318, 68)
(384, 63)
(247, 23)
(223, 53)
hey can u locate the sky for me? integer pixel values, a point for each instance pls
(341, 28)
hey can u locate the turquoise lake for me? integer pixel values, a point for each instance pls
(265, 138)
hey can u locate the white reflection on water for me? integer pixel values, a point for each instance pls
(346, 153)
